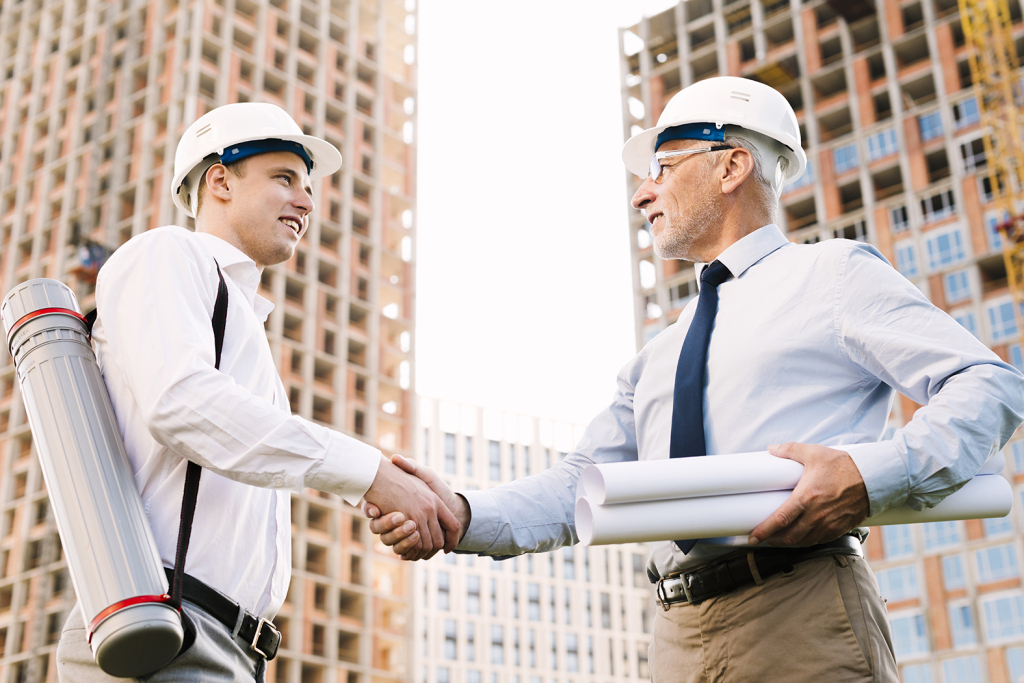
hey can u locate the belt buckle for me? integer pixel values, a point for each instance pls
(661, 595)
(686, 578)
(259, 631)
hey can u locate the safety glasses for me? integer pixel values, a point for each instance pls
(656, 167)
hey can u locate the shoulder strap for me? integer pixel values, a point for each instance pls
(194, 471)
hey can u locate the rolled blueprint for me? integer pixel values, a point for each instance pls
(738, 514)
(715, 475)
(112, 556)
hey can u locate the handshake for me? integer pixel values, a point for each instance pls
(413, 510)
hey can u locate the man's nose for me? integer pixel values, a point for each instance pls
(644, 194)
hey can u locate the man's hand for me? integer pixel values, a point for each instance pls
(393, 490)
(403, 536)
(829, 500)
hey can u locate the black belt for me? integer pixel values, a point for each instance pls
(258, 632)
(753, 566)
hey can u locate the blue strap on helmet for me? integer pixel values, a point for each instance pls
(691, 131)
(253, 147)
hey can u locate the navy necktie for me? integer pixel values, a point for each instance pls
(688, 399)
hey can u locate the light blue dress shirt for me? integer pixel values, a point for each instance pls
(809, 343)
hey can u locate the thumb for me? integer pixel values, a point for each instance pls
(789, 451)
(404, 463)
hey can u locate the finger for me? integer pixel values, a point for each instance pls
(436, 533)
(782, 518)
(369, 509)
(404, 463)
(388, 523)
(400, 534)
(407, 545)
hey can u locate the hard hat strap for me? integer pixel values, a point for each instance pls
(193, 471)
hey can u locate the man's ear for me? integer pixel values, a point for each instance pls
(217, 182)
(738, 167)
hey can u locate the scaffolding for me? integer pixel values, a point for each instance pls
(994, 70)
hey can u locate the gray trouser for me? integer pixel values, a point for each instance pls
(216, 655)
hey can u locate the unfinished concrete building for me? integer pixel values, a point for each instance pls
(889, 121)
(93, 97)
(573, 614)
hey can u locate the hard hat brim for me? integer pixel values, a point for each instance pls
(326, 161)
(638, 150)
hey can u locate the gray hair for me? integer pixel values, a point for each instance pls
(768, 188)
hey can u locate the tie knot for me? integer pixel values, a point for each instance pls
(715, 274)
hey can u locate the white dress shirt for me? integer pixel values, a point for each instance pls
(154, 341)
(808, 344)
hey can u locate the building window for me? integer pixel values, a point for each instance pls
(953, 576)
(497, 644)
(945, 249)
(1017, 456)
(882, 144)
(469, 456)
(973, 155)
(1004, 616)
(443, 674)
(898, 583)
(966, 113)
(449, 454)
(494, 461)
(526, 461)
(906, 259)
(606, 610)
(958, 287)
(572, 652)
(968, 322)
(930, 125)
(568, 606)
(962, 670)
(899, 220)
(995, 237)
(473, 676)
(533, 610)
(442, 591)
(494, 597)
(551, 600)
(554, 651)
(998, 526)
(471, 642)
(511, 462)
(473, 594)
(917, 673)
(897, 541)
(680, 294)
(1015, 663)
(844, 158)
(1001, 320)
(533, 649)
(515, 599)
(940, 534)
(569, 563)
(938, 206)
(961, 625)
(996, 563)
(908, 635)
(855, 231)
(450, 639)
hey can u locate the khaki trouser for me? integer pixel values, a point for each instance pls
(824, 621)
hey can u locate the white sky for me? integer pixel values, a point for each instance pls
(524, 291)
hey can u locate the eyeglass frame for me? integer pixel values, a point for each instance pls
(658, 156)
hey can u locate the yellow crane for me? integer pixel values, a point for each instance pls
(994, 68)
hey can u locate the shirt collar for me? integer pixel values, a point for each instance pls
(749, 250)
(242, 270)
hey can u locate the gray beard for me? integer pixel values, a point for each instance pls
(677, 238)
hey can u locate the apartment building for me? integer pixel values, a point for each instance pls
(575, 614)
(884, 98)
(93, 97)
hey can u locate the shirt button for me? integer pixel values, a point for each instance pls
(278, 481)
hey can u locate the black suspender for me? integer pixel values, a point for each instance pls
(194, 471)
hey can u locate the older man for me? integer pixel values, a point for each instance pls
(798, 345)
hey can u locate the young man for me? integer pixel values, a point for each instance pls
(786, 344)
(245, 172)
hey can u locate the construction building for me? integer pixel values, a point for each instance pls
(573, 614)
(884, 95)
(93, 97)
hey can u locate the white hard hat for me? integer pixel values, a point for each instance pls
(215, 132)
(728, 101)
